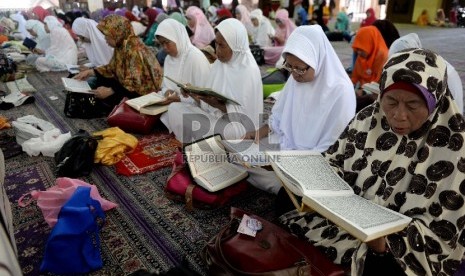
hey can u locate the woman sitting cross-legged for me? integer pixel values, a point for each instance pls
(236, 75)
(62, 50)
(403, 152)
(41, 37)
(316, 104)
(133, 70)
(185, 63)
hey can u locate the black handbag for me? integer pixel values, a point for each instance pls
(82, 105)
(76, 156)
(258, 54)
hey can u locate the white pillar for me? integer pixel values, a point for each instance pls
(95, 5)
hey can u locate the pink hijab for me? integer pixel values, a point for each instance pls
(289, 26)
(203, 31)
(40, 12)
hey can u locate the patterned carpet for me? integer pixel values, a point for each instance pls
(146, 231)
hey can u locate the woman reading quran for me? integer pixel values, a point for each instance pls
(404, 152)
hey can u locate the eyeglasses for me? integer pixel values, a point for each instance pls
(298, 71)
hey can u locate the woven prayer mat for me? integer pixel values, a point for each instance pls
(153, 152)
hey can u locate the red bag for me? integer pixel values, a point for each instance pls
(273, 251)
(181, 187)
(131, 120)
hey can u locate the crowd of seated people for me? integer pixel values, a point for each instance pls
(321, 107)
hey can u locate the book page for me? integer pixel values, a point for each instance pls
(145, 100)
(205, 155)
(154, 109)
(74, 85)
(362, 218)
(220, 175)
(312, 172)
(248, 152)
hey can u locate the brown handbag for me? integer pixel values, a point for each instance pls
(273, 251)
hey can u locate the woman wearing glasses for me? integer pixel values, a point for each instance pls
(316, 104)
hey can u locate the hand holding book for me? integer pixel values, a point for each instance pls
(202, 91)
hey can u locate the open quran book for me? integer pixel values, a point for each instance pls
(148, 104)
(209, 164)
(202, 91)
(77, 86)
(308, 175)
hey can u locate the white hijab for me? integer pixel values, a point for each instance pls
(239, 78)
(62, 45)
(18, 17)
(453, 79)
(312, 115)
(43, 38)
(190, 65)
(261, 34)
(98, 51)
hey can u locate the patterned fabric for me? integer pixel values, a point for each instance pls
(369, 40)
(420, 175)
(133, 64)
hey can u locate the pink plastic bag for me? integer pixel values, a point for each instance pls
(51, 200)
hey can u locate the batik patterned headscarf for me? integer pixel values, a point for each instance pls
(421, 175)
(133, 64)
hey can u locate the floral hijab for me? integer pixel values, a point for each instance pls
(133, 64)
(420, 175)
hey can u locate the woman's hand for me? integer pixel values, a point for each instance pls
(170, 97)
(258, 134)
(84, 75)
(103, 92)
(38, 51)
(378, 245)
(213, 101)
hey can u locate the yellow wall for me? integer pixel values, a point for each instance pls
(431, 5)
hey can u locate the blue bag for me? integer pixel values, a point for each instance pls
(74, 244)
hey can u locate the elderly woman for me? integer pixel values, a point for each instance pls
(203, 33)
(97, 49)
(453, 79)
(316, 104)
(262, 30)
(62, 50)
(404, 152)
(236, 75)
(133, 70)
